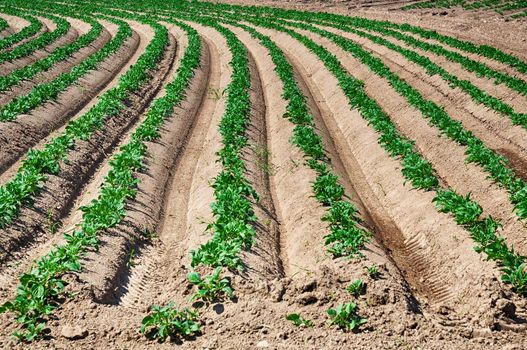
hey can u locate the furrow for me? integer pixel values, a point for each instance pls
(60, 191)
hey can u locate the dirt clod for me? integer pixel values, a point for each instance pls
(73, 332)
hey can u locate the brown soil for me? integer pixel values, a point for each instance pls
(28, 130)
(434, 290)
(68, 38)
(60, 67)
(59, 192)
(17, 24)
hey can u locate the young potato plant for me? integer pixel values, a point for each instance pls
(167, 321)
(210, 288)
(415, 168)
(299, 321)
(61, 53)
(345, 316)
(356, 288)
(373, 272)
(39, 290)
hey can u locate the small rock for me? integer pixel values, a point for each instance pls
(399, 329)
(306, 299)
(262, 344)
(73, 332)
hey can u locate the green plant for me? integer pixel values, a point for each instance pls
(52, 224)
(210, 288)
(299, 321)
(345, 316)
(131, 256)
(167, 321)
(373, 272)
(356, 288)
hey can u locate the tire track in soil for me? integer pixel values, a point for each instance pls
(58, 68)
(43, 123)
(70, 36)
(489, 126)
(60, 192)
(195, 169)
(440, 269)
(162, 266)
(447, 157)
(263, 261)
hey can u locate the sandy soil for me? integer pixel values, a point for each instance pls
(434, 290)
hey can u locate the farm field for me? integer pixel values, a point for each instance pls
(263, 174)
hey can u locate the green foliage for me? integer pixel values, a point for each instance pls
(345, 316)
(27, 48)
(211, 288)
(356, 288)
(167, 321)
(39, 290)
(373, 272)
(299, 321)
(34, 26)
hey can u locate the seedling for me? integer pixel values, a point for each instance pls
(299, 321)
(131, 256)
(356, 288)
(345, 316)
(210, 288)
(373, 272)
(51, 223)
(167, 321)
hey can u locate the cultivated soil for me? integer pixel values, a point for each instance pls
(434, 290)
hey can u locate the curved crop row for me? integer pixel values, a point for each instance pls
(34, 26)
(496, 165)
(483, 50)
(38, 163)
(477, 94)
(40, 288)
(59, 54)
(40, 42)
(417, 170)
(50, 90)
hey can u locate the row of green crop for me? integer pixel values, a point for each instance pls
(34, 26)
(40, 42)
(499, 6)
(477, 152)
(41, 287)
(44, 92)
(38, 163)
(496, 165)
(59, 54)
(477, 94)
(416, 169)
(479, 68)
(232, 209)
(483, 50)
(346, 237)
